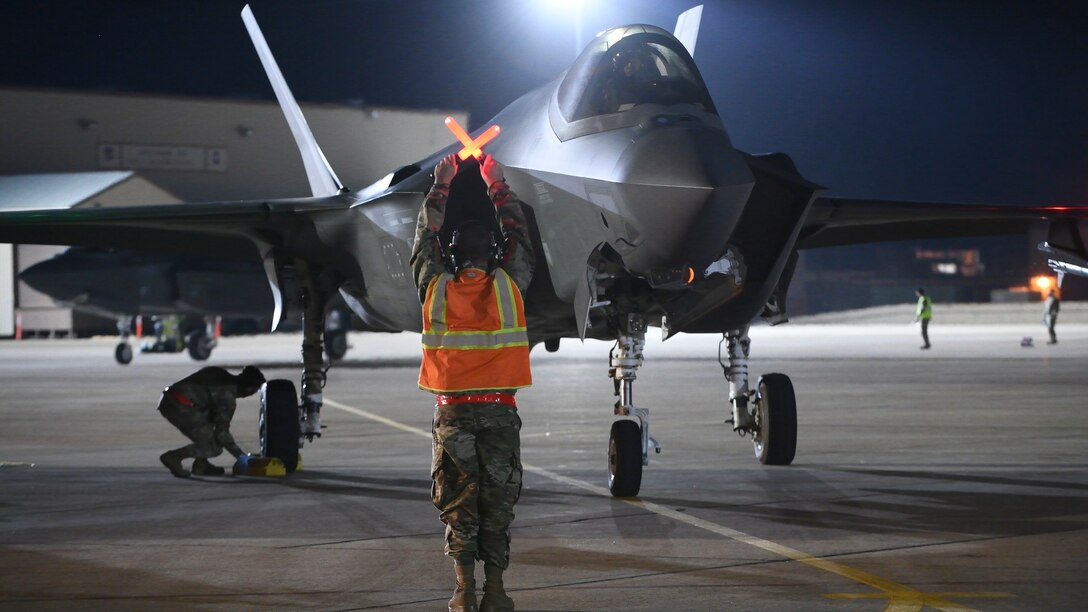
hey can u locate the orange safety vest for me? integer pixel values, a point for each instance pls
(474, 335)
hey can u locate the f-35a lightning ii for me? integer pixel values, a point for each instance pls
(195, 290)
(641, 212)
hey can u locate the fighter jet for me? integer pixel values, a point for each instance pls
(641, 212)
(195, 290)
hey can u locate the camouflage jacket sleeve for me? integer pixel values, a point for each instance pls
(517, 258)
(222, 411)
(427, 251)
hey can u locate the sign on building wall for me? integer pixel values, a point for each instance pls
(129, 156)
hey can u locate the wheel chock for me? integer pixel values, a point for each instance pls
(259, 466)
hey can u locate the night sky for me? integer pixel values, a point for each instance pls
(932, 100)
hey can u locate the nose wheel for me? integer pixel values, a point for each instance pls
(630, 442)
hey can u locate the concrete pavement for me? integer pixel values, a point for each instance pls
(946, 479)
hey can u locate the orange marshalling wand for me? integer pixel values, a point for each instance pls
(473, 148)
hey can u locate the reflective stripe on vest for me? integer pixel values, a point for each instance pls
(474, 334)
(436, 332)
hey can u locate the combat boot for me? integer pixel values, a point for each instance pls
(464, 594)
(495, 598)
(203, 467)
(172, 461)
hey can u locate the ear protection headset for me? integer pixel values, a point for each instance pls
(493, 250)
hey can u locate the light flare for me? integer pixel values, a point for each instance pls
(1043, 283)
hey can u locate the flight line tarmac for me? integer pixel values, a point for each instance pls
(949, 479)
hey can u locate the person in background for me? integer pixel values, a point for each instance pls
(1050, 315)
(201, 406)
(923, 312)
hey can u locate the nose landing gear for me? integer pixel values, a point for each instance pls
(629, 442)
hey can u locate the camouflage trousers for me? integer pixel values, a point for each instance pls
(193, 424)
(476, 478)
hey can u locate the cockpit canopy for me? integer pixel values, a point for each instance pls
(628, 66)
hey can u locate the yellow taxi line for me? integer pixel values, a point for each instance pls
(900, 597)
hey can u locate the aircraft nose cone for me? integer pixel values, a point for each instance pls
(687, 186)
(670, 154)
(51, 277)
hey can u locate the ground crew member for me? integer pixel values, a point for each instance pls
(475, 356)
(201, 406)
(1050, 315)
(923, 312)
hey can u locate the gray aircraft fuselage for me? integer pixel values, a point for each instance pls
(125, 283)
(658, 185)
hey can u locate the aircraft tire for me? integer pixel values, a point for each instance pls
(625, 459)
(336, 344)
(775, 442)
(278, 425)
(123, 353)
(199, 347)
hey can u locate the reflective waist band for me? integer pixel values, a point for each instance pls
(515, 336)
(178, 397)
(477, 398)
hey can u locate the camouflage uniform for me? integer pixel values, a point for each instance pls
(476, 474)
(201, 406)
(476, 468)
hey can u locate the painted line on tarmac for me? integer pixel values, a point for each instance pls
(900, 597)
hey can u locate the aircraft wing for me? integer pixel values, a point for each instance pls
(843, 221)
(224, 229)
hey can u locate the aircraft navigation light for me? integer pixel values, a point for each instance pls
(473, 148)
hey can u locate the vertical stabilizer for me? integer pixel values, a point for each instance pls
(687, 28)
(323, 181)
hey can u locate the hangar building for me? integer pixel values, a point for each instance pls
(138, 148)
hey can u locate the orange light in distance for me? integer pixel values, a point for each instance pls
(472, 148)
(1042, 284)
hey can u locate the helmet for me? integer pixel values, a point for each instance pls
(473, 241)
(634, 62)
(250, 378)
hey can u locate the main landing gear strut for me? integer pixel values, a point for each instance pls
(284, 420)
(630, 441)
(769, 413)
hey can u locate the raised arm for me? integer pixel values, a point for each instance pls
(426, 259)
(517, 258)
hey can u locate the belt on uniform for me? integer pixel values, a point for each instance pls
(476, 398)
(178, 397)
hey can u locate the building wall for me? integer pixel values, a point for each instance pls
(208, 149)
(7, 290)
(191, 150)
(861, 276)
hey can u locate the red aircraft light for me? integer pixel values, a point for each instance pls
(473, 148)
